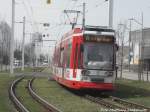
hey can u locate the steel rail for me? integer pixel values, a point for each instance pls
(12, 95)
(43, 102)
(104, 103)
(130, 104)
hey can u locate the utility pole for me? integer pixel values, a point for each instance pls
(0, 60)
(122, 55)
(12, 39)
(122, 48)
(130, 46)
(3, 43)
(142, 48)
(111, 3)
(2, 51)
(83, 20)
(36, 58)
(23, 41)
(31, 50)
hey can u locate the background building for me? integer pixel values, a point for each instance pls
(141, 47)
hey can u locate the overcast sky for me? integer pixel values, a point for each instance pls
(96, 14)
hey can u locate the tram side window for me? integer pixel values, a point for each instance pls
(61, 58)
(80, 53)
(75, 56)
(58, 57)
(64, 63)
(68, 55)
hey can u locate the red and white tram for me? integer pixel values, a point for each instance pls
(86, 59)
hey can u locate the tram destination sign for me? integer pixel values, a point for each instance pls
(99, 38)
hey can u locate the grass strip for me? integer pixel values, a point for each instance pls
(24, 96)
(135, 91)
(61, 98)
(5, 104)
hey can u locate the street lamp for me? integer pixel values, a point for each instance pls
(122, 48)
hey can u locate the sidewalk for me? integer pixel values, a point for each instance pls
(133, 75)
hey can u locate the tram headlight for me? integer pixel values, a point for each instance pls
(85, 72)
(85, 78)
(108, 74)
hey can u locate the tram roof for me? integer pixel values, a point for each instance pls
(90, 30)
(98, 28)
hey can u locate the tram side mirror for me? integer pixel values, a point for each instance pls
(81, 48)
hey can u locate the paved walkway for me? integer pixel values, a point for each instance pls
(133, 75)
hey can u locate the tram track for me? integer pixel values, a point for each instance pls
(105, 103)
(129, 104)
(19, 104)
(108, 102)
(117, 104)
(13, 97)
(49, 107)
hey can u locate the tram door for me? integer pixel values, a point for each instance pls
(75, 65)
(62, 61)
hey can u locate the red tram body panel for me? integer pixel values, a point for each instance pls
(85, 59)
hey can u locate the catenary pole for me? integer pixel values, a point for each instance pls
(111, 3)
(83, 21)
(130, 45)
(12, 39)
(23, 41)
(142, 47)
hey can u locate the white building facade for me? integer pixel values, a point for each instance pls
(140, 46)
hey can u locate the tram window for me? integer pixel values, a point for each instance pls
(68, 55)
(75, 56)
(61, 58)
(80, 53)
(58, 56)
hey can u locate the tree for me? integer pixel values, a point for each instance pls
(17, 54)
(5, 35)
(6, 60)
(26, 58)
(42, 58)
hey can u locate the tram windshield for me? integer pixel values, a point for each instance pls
(98, 56)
